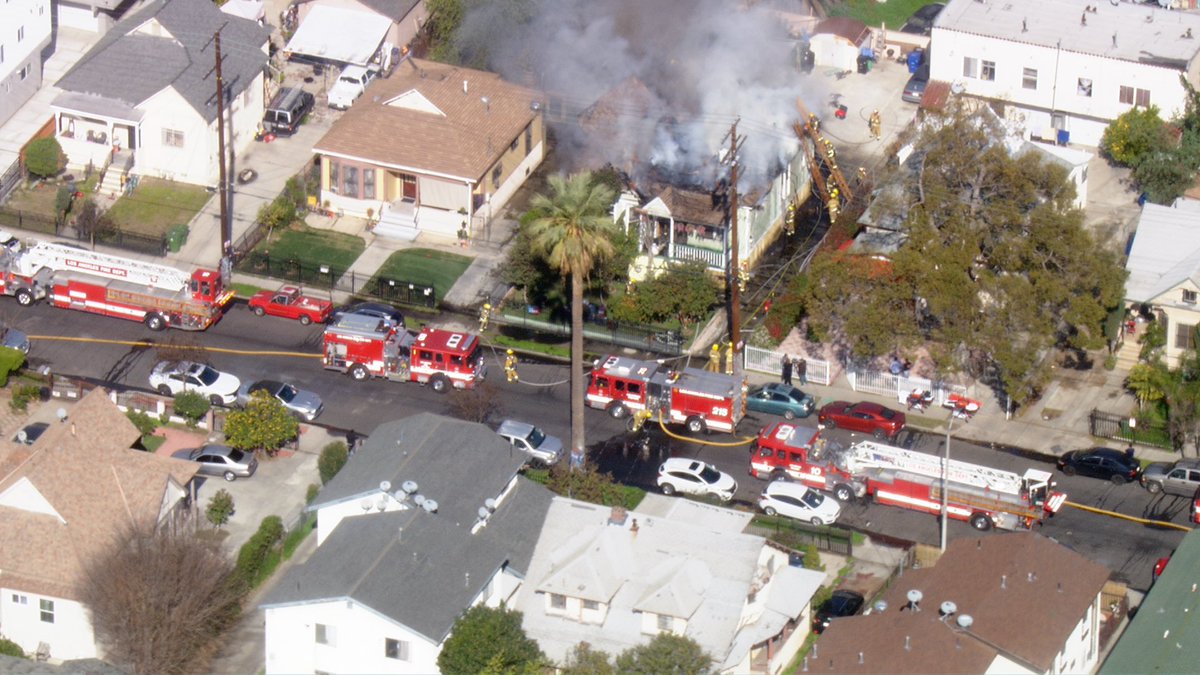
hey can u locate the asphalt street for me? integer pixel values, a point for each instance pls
(1128, 548)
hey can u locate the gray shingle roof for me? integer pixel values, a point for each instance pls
(1165, 251)
(420, 569)
(458, 464)
(168, 44)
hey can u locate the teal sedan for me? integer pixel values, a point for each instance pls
(780, 399)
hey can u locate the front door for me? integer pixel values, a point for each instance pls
(400, 187)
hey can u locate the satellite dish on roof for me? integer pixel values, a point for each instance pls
(366, 504)
(881, 606)
(489, 504)
(483, 513)
(62, 414)
(22, 437)
(957, 87)
(429, 505)
(948, 608)
(914, 596)
(409, 486)
(385, 486)
(418, 499)
(964, 621)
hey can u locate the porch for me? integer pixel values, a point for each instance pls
(92, 130)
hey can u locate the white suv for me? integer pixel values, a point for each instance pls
(795, 500)
(691, 476)
(350, 85)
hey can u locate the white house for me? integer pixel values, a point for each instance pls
(63, 501)
(615, 579)
(1164, 272)
(1007, 603)
(144, 98)
(25, 34)
(426, 520)
(353, 31)
(1066, 70)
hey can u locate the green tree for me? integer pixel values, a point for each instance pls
(10, 648)
(333, 458)
(220, 508)
(445, 17)
(1165, 175)
(685, 293)
(191, 406)
(1134, 136)
(264, 425)
(587, 485)
(583, 660)
(572, 229)
(488, 638)
(44, 157)
(11, 361)
(62, 203)
(666, 653)
(91, 223)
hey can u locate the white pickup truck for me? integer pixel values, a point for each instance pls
(350, 85)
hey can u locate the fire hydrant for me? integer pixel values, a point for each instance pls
(485, 314)
(510, 367)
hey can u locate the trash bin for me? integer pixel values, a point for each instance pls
(915, 58)
(176, 238)
(864, 63)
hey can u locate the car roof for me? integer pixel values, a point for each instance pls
(1103, 452)
(781, 387)
(785, 487)
(867, 406)
(683, 463)
(514, 428)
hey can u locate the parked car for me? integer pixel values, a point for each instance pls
(1181, 478)
(691, 476)
(376, 309)
(220, 460)
(914, 89)
(921, 21)
(290, 302)
(529, 439)
(865, 417)
(14, 339)
(350, 85)
(29, 434)
(841, 603)
(780, 399)
(172, 377)
(1106, 463)
(302, 403)
(287, 110)
(796, 500)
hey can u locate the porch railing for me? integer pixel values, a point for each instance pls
(705, 255)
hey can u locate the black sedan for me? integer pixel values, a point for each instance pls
(1106, 463)
(841, 603)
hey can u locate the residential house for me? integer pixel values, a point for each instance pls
(615, 579)
(838, 41)
(431, 148)
(64, 500)
(94, 16)
(1164, 636)
(1164, 273)
(145, 96)
(353, 31)
(427, 519)
(1063, 70)
(25, 35)
(1006, 603)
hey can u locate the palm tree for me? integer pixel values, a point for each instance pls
(573, 231)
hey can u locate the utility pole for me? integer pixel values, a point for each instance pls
(734, 276)
(222, 178)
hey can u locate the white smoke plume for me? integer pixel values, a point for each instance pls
(672, 75)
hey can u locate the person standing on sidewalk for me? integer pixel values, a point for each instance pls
(875, 123)
(802, 369)
(786, 366)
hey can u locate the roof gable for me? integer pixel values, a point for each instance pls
(415, 101)
(24, 496)
(1165, 251)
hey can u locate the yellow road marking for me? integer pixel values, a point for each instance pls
(1114, 514)
(149, 345)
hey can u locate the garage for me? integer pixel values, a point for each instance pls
(339, 36)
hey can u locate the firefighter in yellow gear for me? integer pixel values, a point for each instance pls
(862, 175)
(814, 124)
(510, 367)
(789, 223)
(875, 124)
(485, 314)
(743, 276)
(638, 420)
(830, 154)
(834, 205)
(714, 359)
(728, 358)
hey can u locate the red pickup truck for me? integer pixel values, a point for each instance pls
(290, 302)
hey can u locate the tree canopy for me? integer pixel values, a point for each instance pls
(666, 653)
(997, 267)
(488, 639)
(264, 425)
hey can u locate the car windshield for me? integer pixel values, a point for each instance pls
(536, 437)
(887, 413)
(207, 375)
(236, 455)
(286, 393)
(813, 499)
(709, 474)
(348, 79)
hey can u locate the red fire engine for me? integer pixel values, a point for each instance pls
(699, 399)
(367, 346)
(983, 496)
(75, 278)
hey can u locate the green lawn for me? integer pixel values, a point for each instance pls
(157, 205)
(423, 266)
(892, 13)
(40, 197)
(313, 247)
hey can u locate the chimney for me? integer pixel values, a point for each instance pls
(464, 86)
(907, 643)
(1003, 581)
(72, 428)
(618, 515)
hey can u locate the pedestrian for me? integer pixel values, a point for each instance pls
(896, 368)
(1129, 452)
(786, 365)
(802, 369)
(876, 125)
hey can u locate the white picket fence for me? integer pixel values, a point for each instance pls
(899, 386)
(770, 362)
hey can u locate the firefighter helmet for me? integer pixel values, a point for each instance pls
(510, 352)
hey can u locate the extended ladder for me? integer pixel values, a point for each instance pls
(57, 257)
(871, 454)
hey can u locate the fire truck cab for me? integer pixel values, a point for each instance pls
(698, 399)
(800, 453)
(366, 346)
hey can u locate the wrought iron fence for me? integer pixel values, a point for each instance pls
(654, 339)
(795, 534)
(131, 241)
(1117, 427)
(27, 220)
(335, 278)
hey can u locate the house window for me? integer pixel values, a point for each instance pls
(1185, 336)
(558, 601)
(20, 33)
(1126, 95)
(1084, 87)
(47, 607)
(1029, 78)
(172, 138)
(528, 139)
(20, 599)
(24, 72)
(988, 71)
(326, 635)
(591, 604)
(368, 183)
(665, 622)
(333, 176)
(1, 53)
(350, 181)
(970, 67)
(513, 146)
(1142, 98)
(496, 175)
(395, 649)
(1189, 297)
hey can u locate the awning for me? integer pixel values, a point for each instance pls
(341, 35)
(92, 105)
(247, 9)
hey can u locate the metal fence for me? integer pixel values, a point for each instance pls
(636, 336)
(771, 362)
(27, 220)
(898, 386)
(10, 179)
(794, 534)
(385, 289)
(116, 238)
(1117, 427)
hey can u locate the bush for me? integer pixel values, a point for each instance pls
(333, 458)
(253, 555)
(587, 485)
(191, 406)
(220, 508)
(10, 648)
(44, 157)
(23, 395)
(11, 361)
(1135, 136)
(263, 425)
(311, 495)
(144, 423)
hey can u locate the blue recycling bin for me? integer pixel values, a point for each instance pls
(915, 58)
(1064, 137)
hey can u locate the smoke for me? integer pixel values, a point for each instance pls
(649, 86)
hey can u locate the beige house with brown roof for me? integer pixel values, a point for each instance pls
(430, 148)
(64, 500)
(1007, 603)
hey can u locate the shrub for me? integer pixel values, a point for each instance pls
(11, 361)
(144, 423)
(263, 425)
(1135, 136)
(253, 555)
(333, 458)
(23, 395)
(191, 406)
(44, 157)
(220, 508)
(10, 648)
(311, 494)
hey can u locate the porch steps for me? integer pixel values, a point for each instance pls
(1127, 355)
(110, 186)
(397, 223)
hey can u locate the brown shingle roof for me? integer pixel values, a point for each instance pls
(843, 26)
(692, 207)
(79, 487)
(462, 139)
(1024, 592)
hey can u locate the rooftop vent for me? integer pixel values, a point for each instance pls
(618, 515)
(409, 486)
(964, 621)
(947, 608)
(430, 506)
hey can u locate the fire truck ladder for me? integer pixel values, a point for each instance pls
(871, 454)
(812, 144)
(68, 258)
